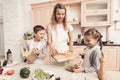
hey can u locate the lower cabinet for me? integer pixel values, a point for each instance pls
(112, 57)
(111, 53)
(78, 50)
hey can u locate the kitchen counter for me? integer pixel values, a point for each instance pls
(58, 69)
(80, 44)
(111, 45)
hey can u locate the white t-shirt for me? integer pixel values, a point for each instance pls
(60, 37)
(40, 45)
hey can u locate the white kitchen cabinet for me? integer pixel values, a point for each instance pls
(87, 13)
(112, 57)
(41, 14)
(73, 12)
(96, 13)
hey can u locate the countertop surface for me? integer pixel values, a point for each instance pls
(81, 44)
(58, 69)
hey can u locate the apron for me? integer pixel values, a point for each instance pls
(59, 39)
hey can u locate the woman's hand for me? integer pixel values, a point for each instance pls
(71, 49)
(35, 51)
(53, 51)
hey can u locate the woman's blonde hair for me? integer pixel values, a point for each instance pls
(54, 20)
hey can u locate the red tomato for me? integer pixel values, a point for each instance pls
(1, 70)
(10, 72)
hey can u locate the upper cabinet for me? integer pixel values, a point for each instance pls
(42, 12)
(96, 13)
(73, 13)
(86, 13)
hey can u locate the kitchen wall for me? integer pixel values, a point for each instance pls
(115, 28)
(1, 40)
(13, 26)
(1, 31)
(17, 20)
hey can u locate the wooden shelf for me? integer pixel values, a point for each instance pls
(74, 22)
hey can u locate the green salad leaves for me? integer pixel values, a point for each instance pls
(41, 75)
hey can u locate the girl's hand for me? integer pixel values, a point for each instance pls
(81, 54)
(80, 69)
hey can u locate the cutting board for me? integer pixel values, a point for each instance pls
(63, 57)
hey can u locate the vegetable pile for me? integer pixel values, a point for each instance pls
(41, 75)
(70, 67)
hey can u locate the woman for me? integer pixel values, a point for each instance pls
(59, 32)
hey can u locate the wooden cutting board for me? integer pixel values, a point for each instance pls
(63, 57)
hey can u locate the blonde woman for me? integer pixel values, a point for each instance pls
(59, 31)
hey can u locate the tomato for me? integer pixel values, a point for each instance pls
(1, 70)
(10, 72)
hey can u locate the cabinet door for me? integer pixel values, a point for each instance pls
(112, 57)
(95, 13)
(41, 15)
(78, 49)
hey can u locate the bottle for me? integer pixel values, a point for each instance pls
(9, 56)
(79, 38)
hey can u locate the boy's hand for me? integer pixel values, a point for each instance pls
(35, 51)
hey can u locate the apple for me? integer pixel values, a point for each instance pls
(1, 70)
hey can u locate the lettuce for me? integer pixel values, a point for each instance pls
(41, 75)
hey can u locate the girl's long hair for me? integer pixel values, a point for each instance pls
(54, 20)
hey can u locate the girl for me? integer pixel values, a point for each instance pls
(59, 31)
(92, 52)
(36, 47)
